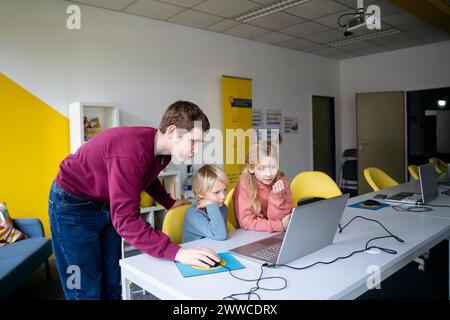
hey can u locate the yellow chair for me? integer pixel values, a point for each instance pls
(313, 184)
(440, 166)
(146, 200)
(414, 171)
(378, 179)
(231, 221)
(173, 223)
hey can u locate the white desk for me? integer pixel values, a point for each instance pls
(344, 279)
(413, 186)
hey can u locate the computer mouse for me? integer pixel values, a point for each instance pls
(215, 263)
(371, 203)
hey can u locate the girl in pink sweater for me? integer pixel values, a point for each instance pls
(262, 197)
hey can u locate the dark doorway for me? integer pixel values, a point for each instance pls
(324, 144)
(428, 125)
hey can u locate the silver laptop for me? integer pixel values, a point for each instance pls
(311, 227)
(429, 189)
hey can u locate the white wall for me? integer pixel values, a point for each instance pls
(143, 65)
(423, 67)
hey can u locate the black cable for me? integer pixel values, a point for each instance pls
(367, 247)
(359, 11)
(438, 205)
(373, 220)
(253, 290)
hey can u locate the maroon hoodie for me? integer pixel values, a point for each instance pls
(115, 167)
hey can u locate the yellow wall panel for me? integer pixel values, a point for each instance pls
(34, 139)
(236, 114)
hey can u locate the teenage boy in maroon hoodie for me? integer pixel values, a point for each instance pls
(94, 201)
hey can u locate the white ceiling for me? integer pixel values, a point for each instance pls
(308, 27)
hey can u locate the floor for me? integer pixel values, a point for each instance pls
(407, 283)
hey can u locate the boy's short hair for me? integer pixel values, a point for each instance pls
(205, 177)
(183, 114)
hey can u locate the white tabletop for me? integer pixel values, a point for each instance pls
(343, 279)
(441, 200)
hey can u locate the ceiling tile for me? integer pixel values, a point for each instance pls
(352, 3)
(400, 19)
(223, 25)
(305, 29)
(372, 50)
(419, 29)
(298, 44)
(437, 37)
(346, 55)
(331, 20)
(228, 8)
(277, 21)
(316, 8)
(183, 3)
(246, 31)
(327, 36)
(273, 38)
(263, 1)
(357, 45)
(154, 9)
(387, 8)
(327, 52)
(315, 47)
(393, 38)
(406, 44)
(195, 19)
(108, 4)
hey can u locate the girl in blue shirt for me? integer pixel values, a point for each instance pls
(207, 217)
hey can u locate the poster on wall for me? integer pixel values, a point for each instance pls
(236, 114)
(273, 123)
(258, 123)
(290, 125)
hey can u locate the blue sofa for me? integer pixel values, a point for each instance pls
(19, 259)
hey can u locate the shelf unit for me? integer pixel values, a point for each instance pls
(154, 215)
(106, 113)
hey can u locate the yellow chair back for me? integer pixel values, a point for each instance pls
(313, 184)
(231, 221)
(439, 165)
(378, 179)
(414, 171)
(173, 223)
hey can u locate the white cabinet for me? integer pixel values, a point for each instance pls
(88, 119)
(155, 214)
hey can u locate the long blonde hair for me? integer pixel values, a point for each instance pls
(256, 152)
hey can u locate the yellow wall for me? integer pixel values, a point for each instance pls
(34, 139)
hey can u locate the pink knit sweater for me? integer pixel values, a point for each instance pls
(274, 206)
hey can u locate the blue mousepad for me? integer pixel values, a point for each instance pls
(226, 259)
(360, 205)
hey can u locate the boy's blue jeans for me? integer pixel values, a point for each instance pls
(86, 246)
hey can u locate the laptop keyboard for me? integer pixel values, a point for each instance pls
(269, 253)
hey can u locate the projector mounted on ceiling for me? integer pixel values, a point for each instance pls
(361, 19)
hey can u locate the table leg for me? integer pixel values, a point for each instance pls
(126, 293)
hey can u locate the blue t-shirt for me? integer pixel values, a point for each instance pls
(211, 223)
